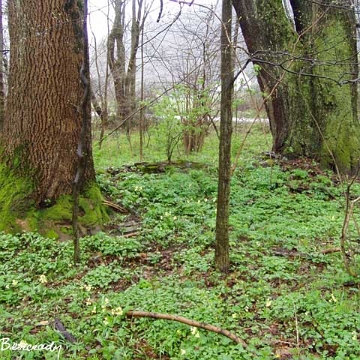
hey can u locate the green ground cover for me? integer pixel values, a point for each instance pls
(285, 297)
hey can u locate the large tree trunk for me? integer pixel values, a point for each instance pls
(306, 72)
(44, 106)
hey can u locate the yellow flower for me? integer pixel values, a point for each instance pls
(182, 351)
(15, 282)
(88, 301)
(118, 311)
(195, 332)
(88, 287)
(23, 344)
(43, 279)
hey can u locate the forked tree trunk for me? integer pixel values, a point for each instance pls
(44, 105)
(124, 77)
(306, 73)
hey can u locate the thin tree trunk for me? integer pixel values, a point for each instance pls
(85, 129)
(222, 261)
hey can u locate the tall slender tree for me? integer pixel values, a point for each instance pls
(222, 261)
(44, 114)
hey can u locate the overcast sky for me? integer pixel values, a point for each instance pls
(99, 12)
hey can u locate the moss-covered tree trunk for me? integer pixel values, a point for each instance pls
(44, 109)
(306, 70)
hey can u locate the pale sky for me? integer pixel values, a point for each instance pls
(99, 13)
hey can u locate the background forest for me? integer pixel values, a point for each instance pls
(179, 180)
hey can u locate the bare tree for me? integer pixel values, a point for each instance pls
(123, 67)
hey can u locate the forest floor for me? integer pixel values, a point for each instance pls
(287, 295)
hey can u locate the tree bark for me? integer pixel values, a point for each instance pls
(2, 69)
(44, 111)
(306, 71)
(222, 261)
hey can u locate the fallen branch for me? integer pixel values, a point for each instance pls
(190, 322)
(330, 251)
(129, 235)
(116, 207)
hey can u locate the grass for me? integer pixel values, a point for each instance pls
(284, 297)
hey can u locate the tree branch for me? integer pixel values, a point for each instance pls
(189, 322)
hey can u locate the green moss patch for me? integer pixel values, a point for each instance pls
(92, 211)
(15, 199)
(18, 212)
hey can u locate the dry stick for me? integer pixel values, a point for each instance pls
(190, 322)
(330, 251)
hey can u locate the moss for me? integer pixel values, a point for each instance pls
(92, 211)
(15, 199)
(51, 234)
(18, 212)
(92, 207)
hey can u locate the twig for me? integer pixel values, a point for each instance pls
(115, 206)
(330, 251)
(190, 322)
(129, 235)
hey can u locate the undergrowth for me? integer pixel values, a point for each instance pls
(285, 297)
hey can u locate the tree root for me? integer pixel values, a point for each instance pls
(190, 322)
